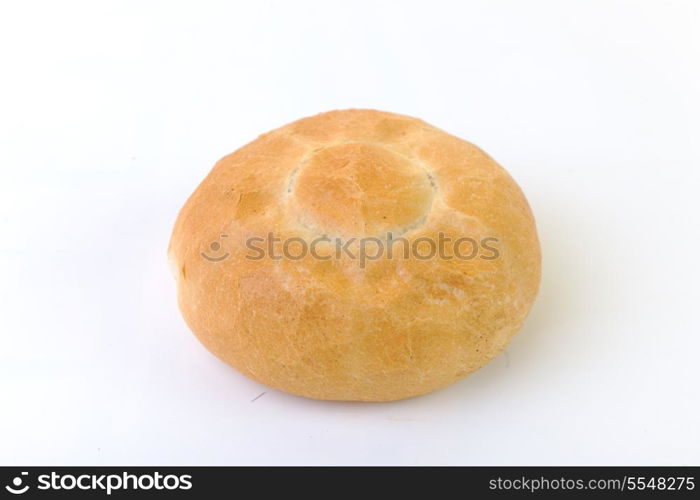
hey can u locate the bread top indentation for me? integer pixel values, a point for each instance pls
(360, 189)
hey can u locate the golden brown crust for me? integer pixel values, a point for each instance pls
(332, 329)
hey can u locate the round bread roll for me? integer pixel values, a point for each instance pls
(279, 272)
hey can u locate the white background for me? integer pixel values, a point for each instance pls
(111, 113)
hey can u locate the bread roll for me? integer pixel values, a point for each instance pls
(356, 326)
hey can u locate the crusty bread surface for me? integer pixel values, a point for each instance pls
(334, 326)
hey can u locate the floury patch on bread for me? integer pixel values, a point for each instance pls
(356, 255)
